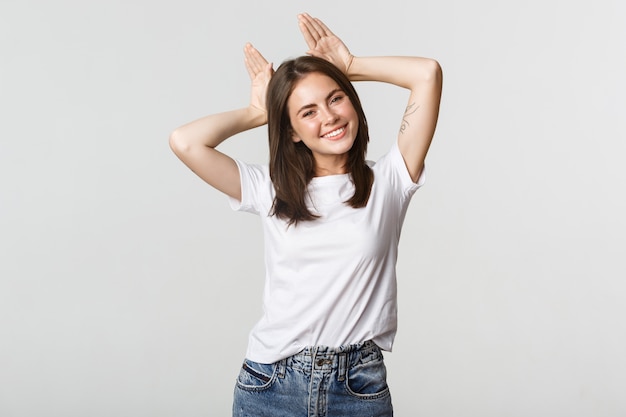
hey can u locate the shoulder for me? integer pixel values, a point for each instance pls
(255, 173)
(257, 190)
(391, 169)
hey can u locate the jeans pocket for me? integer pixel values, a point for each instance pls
(368, 380)
(255, 376)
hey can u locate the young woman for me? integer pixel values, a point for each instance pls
(331, 221)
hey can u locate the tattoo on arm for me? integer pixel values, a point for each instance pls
(411, 108)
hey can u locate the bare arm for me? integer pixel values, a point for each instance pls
(422, 76)
(195, 142)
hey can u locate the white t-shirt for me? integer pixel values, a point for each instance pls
(330, 281)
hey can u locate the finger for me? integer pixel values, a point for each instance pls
(315, 26)
(248, 61)
(254, 59)
(314, 53)
(310, 36)
(251, 72)
(253, 65)
(323, 28)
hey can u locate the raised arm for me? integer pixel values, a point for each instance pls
(422, 76)
(195, 142)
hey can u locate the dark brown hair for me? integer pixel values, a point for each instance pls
(291, 163)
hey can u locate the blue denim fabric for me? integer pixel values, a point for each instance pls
(317, 382)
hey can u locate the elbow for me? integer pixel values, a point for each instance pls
(433, 72)
(177, 142)
(426, 73)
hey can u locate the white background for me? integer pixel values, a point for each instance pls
(128, 286)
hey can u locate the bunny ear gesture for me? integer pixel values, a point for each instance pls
(260, 72)
(323, 43)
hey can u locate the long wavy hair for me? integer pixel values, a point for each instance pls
(292, 165)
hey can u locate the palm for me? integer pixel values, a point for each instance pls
(260, 72)
(323, 43)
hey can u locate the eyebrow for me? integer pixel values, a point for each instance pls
(328, 96)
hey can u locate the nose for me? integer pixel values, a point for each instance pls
(328, 115)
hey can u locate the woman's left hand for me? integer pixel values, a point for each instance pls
(323, 43)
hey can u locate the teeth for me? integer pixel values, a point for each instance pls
(334, 133)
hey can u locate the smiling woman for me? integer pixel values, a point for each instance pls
(327, 125)
(317, 127)
(331, 220)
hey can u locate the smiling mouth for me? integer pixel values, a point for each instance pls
(334, 133)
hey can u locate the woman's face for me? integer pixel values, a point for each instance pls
(323, 118)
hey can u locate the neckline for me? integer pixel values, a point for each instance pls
(330, 178)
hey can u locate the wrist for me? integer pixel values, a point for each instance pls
(256, 115)
(349, 63)
(353, 68)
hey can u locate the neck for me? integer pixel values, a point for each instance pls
(334, 165)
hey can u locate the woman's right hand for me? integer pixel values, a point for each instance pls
(260, 72)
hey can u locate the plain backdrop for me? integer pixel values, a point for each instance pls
(128, 286)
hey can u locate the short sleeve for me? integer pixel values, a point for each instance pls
(393, 167)
(256, 189)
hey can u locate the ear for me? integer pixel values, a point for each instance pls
(294, 136)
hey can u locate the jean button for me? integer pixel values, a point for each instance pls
(322, 362)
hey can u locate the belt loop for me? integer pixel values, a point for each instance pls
(282, 365)
(342, 371)
(313, 355)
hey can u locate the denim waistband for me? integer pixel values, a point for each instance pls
(324, 358)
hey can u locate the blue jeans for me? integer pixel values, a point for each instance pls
(317, 382)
